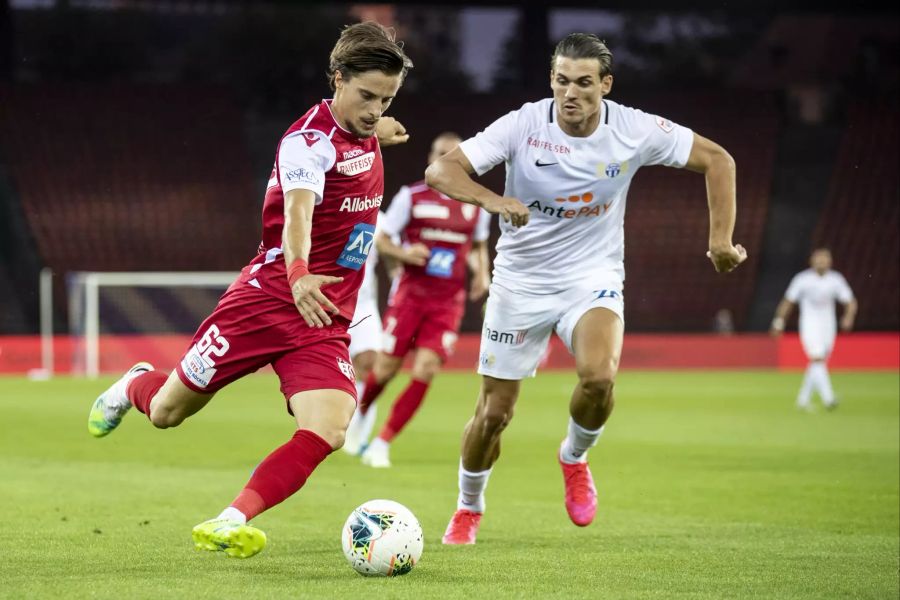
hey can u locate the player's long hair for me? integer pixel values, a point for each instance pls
(584, 45)
(367, 46)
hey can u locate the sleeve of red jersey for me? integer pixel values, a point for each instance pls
(664, 142)
(303, 160)
(494, 145)
(396, 217)
(483, 226)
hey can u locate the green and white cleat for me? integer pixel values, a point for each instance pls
(111, 406)
(231, 537)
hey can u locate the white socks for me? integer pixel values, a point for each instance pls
(822, 382)
(806, 388)
(816, 378)
(378, 445)
(233, 514)
(574, 448)
(471, 489)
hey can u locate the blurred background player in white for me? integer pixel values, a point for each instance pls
(441, 237)
(816, 290)
(365, 342)
(569, 162)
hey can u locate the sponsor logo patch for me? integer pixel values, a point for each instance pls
(356, 165)
(551, 146)
(665, 124)
(198, 371)
(512, 338)
(430, 211)
(301, 174)
(358, 246)
(440, 264)
(358, 204)
(352, 153)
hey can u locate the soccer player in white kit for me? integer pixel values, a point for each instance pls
(816, 290)
(569, 162)
(365, 343)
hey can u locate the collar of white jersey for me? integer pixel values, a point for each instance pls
(552, 115)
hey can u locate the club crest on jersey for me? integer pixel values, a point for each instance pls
(358, 246)
(346, 368)
(356, 165)
(612, 170)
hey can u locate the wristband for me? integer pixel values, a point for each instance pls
(778, 323)
(296, 270)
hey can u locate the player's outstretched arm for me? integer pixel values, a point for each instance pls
(716, 164)
(390, 132)
(296, 242)
(781, 316)
(451, 174)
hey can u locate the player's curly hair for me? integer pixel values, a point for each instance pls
(584, 45)
(367, 46)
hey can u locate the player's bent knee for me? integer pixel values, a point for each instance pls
(164, 418)
(597, 386)
(333, 437)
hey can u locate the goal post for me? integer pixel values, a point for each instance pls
(84, 295)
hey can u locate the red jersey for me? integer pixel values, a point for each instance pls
(420, 214)
(347, 175)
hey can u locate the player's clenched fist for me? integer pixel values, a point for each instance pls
(416, 254)
(390, 131)
(310, 300)
(510, 209)
(726, 259)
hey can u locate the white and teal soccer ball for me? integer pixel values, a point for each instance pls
(382, 538)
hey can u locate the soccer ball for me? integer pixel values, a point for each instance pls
(382, 538)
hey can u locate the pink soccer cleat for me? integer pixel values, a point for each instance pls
(581, 495)
(463, 528)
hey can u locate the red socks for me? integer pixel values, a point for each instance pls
(373, 389)
(404, 408)
(142, 388)
(282, 473)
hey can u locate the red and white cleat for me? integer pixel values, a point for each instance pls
(463, 528)
(581, 495)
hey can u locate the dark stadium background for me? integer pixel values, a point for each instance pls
(139, 135)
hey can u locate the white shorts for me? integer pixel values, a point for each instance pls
(365, 334)
(817, 341)
(517, 326)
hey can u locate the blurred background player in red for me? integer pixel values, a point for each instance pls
(441, 237)
(319, 217)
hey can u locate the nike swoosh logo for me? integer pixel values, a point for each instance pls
(538, 163)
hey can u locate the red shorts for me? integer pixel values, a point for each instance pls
(250, 329)
(421, 325)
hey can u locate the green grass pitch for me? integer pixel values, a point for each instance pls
(711, 486)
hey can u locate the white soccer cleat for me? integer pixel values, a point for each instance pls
(358, 432)
(109, 408)
(377, 455)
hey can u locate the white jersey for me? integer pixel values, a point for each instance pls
(574, 187)
(816, 295)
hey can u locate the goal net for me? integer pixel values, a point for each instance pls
(116, 319)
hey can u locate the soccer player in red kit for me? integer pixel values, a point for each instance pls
(319, 218)
(441, 236)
